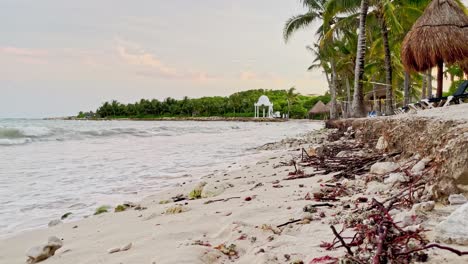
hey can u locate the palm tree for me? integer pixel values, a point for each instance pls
(291, 97)
(358, 98)
(324, 59)
(315, 12)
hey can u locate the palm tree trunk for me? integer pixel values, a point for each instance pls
(388, 67)
(423, 89)
(358, 97)
(374, 95)
(348, 98)
(440, 79)
(333, 112)
(429, 83)
(407, 88)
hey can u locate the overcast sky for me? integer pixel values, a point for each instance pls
(59, 57)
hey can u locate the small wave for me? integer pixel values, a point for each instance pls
(24, 135)
(10, 142)
(25, 132)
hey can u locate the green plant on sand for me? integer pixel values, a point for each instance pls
(102, 209)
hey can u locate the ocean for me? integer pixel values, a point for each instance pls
(51, 167)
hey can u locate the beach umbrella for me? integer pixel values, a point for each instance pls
(439, 36)
(319, 108)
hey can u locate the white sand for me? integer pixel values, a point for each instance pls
(160, 238)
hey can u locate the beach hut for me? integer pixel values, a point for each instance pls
(439, 36)
(319, 110)
(375, 97)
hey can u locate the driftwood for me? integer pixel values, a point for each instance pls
(221, 200)
(290, 222)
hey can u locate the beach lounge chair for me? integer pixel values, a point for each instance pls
(457, 97)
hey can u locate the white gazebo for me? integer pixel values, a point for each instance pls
(264, 102)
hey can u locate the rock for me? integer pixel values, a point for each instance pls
(315, 150)
(381, 168)
(455, 228)
(382, 144)
(456, 199)
(376, 187)
(408, 218)
(419, 167)
(113, 250)
(126, 247)
(394, 178)
(54, 223)
(213, 189)
(348, 153)
(424, 206)
(43, 252)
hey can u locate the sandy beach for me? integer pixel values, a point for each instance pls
(248, 206)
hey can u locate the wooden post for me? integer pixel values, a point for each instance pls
(440, 78)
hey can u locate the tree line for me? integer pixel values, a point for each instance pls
(240, 104)
(358, 49)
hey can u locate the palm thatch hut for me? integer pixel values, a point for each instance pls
(319, 110)
(464, 66)
(439, 35)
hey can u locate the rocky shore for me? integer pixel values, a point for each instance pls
(383, 190)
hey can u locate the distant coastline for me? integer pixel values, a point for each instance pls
(213, 118)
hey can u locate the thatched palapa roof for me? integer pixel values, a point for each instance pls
(439, 35)
(319, 108)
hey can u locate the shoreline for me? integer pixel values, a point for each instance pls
(200, 119)
(263, 212)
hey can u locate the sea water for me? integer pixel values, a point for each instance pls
(51, 167)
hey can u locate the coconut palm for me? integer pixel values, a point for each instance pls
(314, 13)
(358, 97)
(291, 97)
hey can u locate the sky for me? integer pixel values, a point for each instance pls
(60, 57)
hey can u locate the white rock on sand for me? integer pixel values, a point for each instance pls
(381, 168)
(43, 252)
(213, 189)
(455, 228)
(457, 199)
(396, 178)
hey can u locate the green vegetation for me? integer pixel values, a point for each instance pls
(102, 209)
(120, 208)
(65, 215)
(358, 48)
(240, 104)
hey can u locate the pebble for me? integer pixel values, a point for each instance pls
(457, 199)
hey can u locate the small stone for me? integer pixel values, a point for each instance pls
(375, 187)
(54, 223)
(394, 178)
(382, 144)
(424, 206)
(214, 189)
(113, 250)
(381, 168)
(457, 199)
(419, 167)
(126, 247)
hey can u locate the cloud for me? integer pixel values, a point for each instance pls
(14, 51)
(147, 59)
(148, 65)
